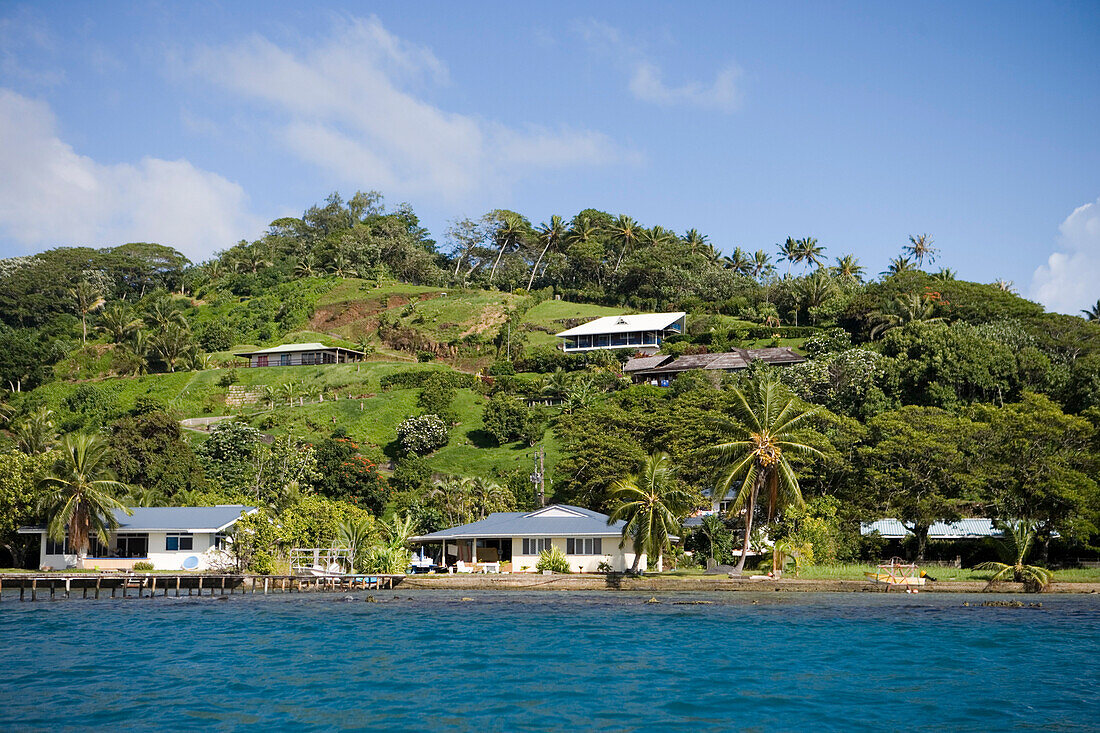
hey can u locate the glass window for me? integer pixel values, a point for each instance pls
(284, 359)
(179, 541)
(221, 541)
(602, 340)
(584, 546)
(132, 545)
(535, 545)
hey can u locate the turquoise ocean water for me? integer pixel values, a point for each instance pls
(430, 661)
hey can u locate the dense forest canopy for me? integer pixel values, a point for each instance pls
(939, 398)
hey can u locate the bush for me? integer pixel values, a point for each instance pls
(227, 378)
(423, 356)
(553, 560)
(436, 397)
(215, 336)
(507, 420)
(142, 566)
(502, 369)
(411, 474)
(422, 435)
(416, 379)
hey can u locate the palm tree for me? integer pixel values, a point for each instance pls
(1017, 546)
(355, 534)
(694, 240)
(626, 230)
(550, 235)
(651, 502)
(214, 269)
(848, 269)
(739, 262)
(920, 248)
(119, 320)
(946, 274)
(557, 383)
(510, 235)
(1005, 286)
(36, 433)
(163, 313)
(305, 267)
(140, 346)
(88, 299)
(755, 449)
(902, 310)
(269, 394)
(1093, 313)
(815, 290)
(78, 493)
(898, 265)
(172, 343)
(657, 235)
(761, 266)
(582, 393)
(289, 391)
(341, 266)
(789, 251)
(809, 251)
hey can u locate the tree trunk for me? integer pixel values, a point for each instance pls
(622, 252)
(637, 560)
(748, 522)
(84, 327)
(536, 267)
(493, 272)
(921, 531)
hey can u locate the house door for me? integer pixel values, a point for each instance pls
(261, 361)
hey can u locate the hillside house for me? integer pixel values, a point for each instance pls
(661, 369)
(301, 355)
(644, 332)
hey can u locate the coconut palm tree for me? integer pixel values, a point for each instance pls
(898, 265)
(761, 266)
(810, 252)
(355, 534)
(214, 269)
(902, 310)
(755, 448)
(626, 230)
(651, 502)
(695, 241)
(815, 290)
(557, 383)
(920, 248)
(946, 274)
(88, 299)
(510, 235)
(738, 261)
(172, 343)
(1005, 286)
(582, 393)
(848, 269)
(341, 266)
(1093, 313)
(79, 493)
(551, 235)
(789, 251)
(1018, 542)
(118, 321)
(163, 313)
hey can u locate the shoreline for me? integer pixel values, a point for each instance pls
(531, 582)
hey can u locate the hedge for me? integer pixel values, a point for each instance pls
(416, 379)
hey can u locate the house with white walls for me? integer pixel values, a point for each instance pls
(171, 538)
(642, 332)
(512, 541)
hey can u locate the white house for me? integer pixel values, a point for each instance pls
(513, 540)
(171, 538)
(643, 332)
(300, 355)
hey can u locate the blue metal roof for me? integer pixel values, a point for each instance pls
(963, 529)
(174, 518)
(557, 520)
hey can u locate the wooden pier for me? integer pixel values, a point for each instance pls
(54, 586)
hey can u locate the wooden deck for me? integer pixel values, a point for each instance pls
(52, 586)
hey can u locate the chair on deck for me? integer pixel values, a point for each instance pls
(462, 567)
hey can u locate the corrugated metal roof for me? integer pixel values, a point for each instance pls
(638, 363)
(293, 348)
(775, 355)
(577, 522)
(625, 324)
(974, 528)
(726, 361)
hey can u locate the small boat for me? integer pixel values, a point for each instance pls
(332, 562)
(897, 574)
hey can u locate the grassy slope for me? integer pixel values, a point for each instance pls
(548, 313)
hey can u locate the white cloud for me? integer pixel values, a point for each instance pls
(647, 80)
(1070, 279)
(50, 195)
(351, 107)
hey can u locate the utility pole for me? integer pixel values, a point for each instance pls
(538, 478)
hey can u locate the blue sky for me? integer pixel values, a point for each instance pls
(195, 124)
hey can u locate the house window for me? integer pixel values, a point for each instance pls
(179, 541)
(53, 547)
(328, 358)
(535, 545)
(132, 545)
(585, 342)
(602, 339)
(221, 541)
(584, 546)
(284, 359)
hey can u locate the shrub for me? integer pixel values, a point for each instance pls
(502, 369)
(227, 378)
(553, 560)
(411, 473)
(506, 419)
(422, 435)
(423, 356)
(142, 566)
(415, 379)
(436, 397)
